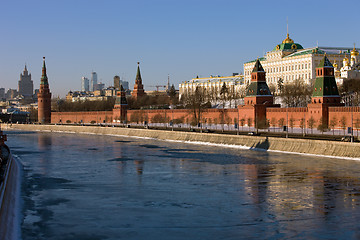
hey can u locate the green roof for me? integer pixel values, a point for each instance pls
(258, 89)
(325, 63)
(325, 86)
(260, 59)
(287, 46)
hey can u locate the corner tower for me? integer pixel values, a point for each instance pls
(138, 87)
(44, 98)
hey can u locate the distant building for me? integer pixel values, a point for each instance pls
(289, 61)
(11, 94)
(110, 92)
(2, 93)
(93, 81)
(36, 93)
(26, 85)
(213, 84)
(85, 84)
(98, 87)
(125, 84)
(117, 82)
(349, 70)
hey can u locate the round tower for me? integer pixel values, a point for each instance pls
(44, 98)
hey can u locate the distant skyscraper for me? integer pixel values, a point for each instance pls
(117, 82)
(99, 86)
(93, 81)
(2, 93)
(26, 85)
(84, 84)
(125, 84)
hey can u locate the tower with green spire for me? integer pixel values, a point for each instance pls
(138, 86)
(258, 97)
(44, 98)
(325, 92)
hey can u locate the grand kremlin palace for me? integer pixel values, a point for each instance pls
(213, 83)
(290, 61)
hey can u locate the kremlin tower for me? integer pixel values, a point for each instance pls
(138, 87)
(120, 107)
(325, 93)
(44, 98)
(258, 97)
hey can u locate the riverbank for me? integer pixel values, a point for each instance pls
(10, 200)
(301, 146)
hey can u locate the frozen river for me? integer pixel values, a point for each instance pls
(104, 187)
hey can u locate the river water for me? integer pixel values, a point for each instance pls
(105, 187)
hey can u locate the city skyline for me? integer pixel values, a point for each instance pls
(182, 39)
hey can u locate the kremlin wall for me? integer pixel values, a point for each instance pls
(259, 107)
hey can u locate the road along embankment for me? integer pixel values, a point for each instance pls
(303, 146)
(10, 197)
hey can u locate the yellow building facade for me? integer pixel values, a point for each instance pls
(289, 61)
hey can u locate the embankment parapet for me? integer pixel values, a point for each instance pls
(317, 147)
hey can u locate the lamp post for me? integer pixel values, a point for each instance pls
(352, 132)
(287, 118)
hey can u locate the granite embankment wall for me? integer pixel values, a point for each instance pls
(327, 148)
(9, 201)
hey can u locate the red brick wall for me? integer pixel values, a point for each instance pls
(218, 115)
(212, 115)
(84, 117)
(344, 113)
(294, 114)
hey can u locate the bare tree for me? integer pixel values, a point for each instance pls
(357, 126)
(197, 102)
(273, 122)
(291, 123)
(343, 123)
(249, 122)
(332, 124)
(302, 124)
(322, 127)
(311, 123)
(242, 123)
(296, 93)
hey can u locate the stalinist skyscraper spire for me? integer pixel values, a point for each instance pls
(44, 98)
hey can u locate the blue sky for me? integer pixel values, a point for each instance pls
(181, 38)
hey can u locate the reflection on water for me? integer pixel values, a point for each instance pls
(101, 187)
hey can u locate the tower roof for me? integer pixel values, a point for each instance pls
(138, 75)
(325, 84)
(258, 67)
(325, 62)
(44, 78)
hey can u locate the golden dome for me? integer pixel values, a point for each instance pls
(354, 52)
(335, 65)
(288, 39)
(346, 59)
